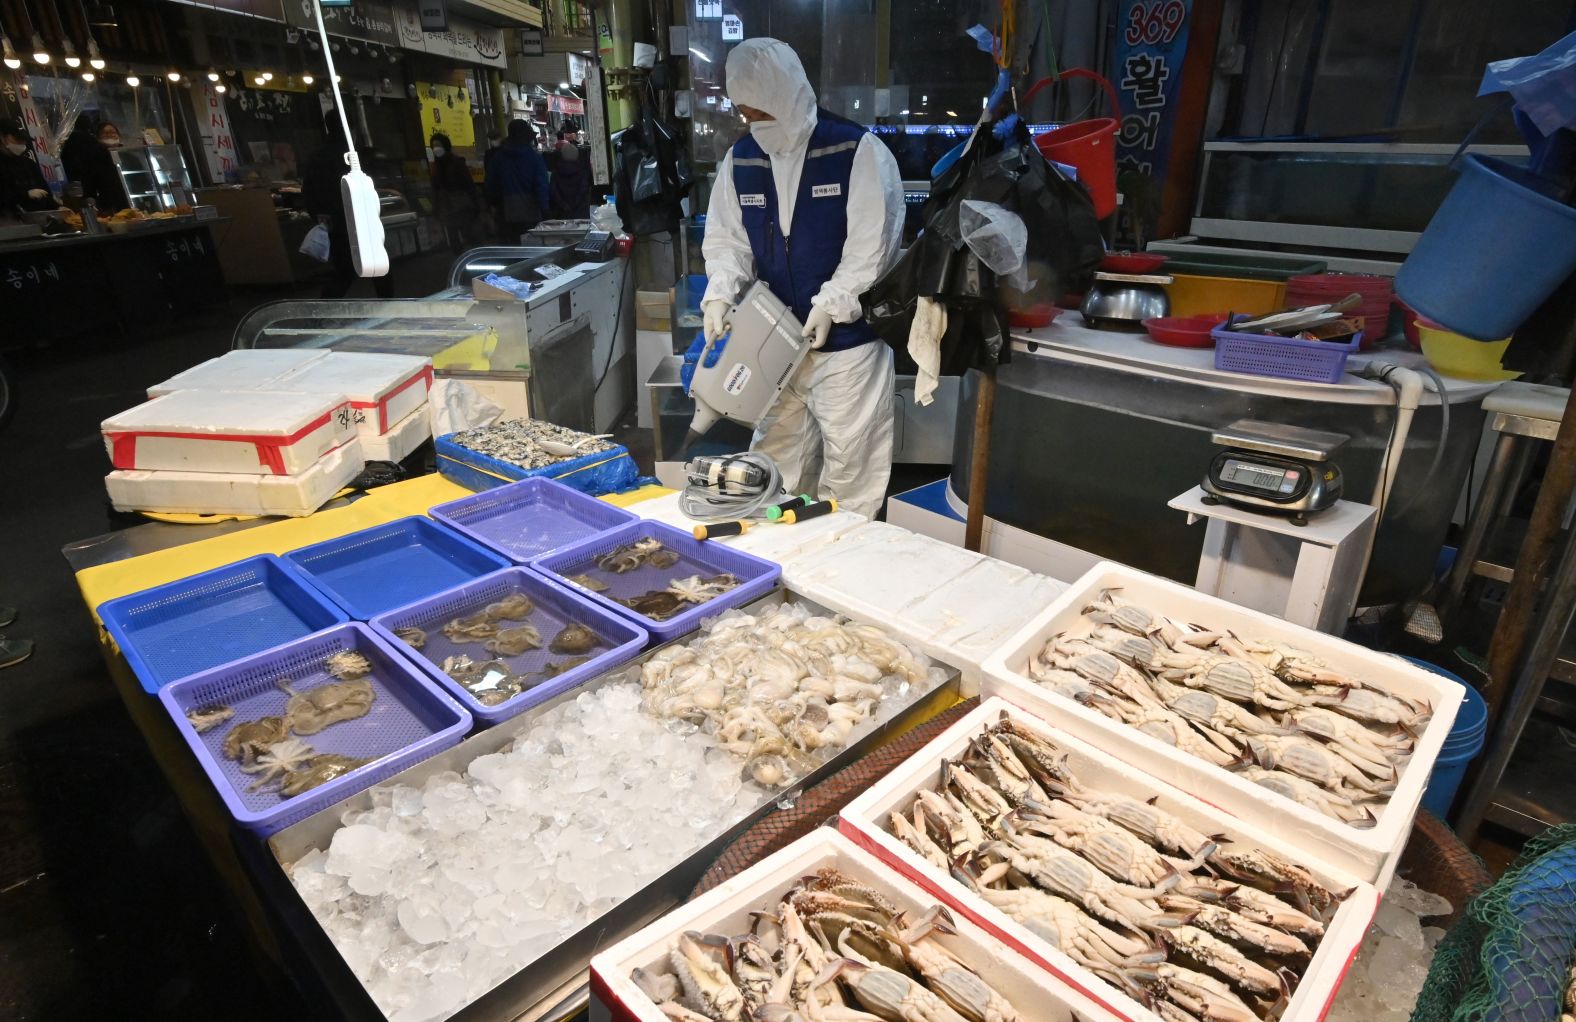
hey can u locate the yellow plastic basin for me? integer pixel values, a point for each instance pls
(1451, 354)
(1195, 295)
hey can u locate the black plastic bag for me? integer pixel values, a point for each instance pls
(651, 174)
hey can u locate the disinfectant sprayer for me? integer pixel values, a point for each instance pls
(762, 352)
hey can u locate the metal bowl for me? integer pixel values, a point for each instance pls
(1124, 301)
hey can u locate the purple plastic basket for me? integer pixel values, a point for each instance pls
(556, 606)
(1285, 358)
(756, 575)
(410, 720)
(530, 518)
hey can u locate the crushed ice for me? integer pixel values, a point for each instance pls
(1392, 963)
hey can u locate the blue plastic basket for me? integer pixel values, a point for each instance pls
(528, 519)
(602, 472)
(555, 606)
(410, 720)
(390, 565)
(171, 631)
(756, 575)
(1285, 358)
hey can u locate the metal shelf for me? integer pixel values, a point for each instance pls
(1536, 791)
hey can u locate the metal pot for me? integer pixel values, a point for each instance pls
(1122, 301)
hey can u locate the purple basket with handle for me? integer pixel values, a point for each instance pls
(696, 557)
(554, 607)
(530, 518)
(410, 719)
(1285, 358)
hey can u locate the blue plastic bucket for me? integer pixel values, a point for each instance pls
(1461, 747)
(1499, 244)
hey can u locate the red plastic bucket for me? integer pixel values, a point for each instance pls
(1088, 145)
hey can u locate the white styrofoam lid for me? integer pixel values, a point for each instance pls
(361, 376)
(243, 369)
(224, 411)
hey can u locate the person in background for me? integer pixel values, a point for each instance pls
(87, 160)
(22, 184)
(571, 187)
(321, 194)
(517, 185)
(454, 193)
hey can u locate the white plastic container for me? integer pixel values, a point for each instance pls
(402, 438)
(864, 821)
(383, 389)
(239, 431)
(244, 369)
(1370, 854)
(233, 493)
(726, 909)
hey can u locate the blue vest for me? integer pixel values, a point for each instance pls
(795, 265)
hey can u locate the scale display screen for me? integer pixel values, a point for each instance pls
(1259, 477)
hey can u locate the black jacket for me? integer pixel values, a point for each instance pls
(86, 160)
(18, 176)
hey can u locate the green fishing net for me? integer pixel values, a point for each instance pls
(1508, 958)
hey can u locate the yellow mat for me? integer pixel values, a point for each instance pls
(384, 504)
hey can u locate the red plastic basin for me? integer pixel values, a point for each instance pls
(1185, 331)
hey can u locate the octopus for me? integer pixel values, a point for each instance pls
(696, 589)
(347, 665)
(309, 712)
(575, 638)
(277, 760)
(411, 636)
(663, 558)
(474, 628)
(318, 770)
(514, 607)
(206, 718)
(514, 641)
(558, 667)
(459, 667)
(658, 605)
(596, 585)
(251, 737)
(622, 560)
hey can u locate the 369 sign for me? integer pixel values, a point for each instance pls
(1154, 22)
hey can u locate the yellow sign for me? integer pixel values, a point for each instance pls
(446, 108)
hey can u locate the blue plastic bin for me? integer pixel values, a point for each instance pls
(757, 576)
(1499, 244)
(1461, 746)
(555, 606)
(388, 566)
(177, 629)
(530, 518)
(409, 720)
(1285, 358)
(596, 474)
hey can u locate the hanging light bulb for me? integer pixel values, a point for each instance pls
(213, 75)
(133, 81)
(259, 80)
(71, 58)
(173, 76)
(95, 59)
(88, 76)
(307, 79)
(220, 89)
(40, 54)
(268, 76)
(12, 61)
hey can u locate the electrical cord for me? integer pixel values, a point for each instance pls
(618, 317)
(730, 487)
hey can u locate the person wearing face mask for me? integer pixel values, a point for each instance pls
(454, 193)
(812, 204)
(22, 184)
(87, 160)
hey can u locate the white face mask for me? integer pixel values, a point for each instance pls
(771, 136)
(438, 151)
(15, 148)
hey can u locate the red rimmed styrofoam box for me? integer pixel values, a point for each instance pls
(726, 909)
(1370, 853)
(242, 369)
(864, 821)
(241, 431)
(383, 389)
(234, 493)
(402, 438)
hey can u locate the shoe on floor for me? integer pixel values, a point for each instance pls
(7, 615)
(14, 651)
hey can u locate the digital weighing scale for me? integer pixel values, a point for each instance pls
(1274, 468)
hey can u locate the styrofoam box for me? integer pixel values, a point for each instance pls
(244, 431)
(401, 439)
(383, 389)
(1370, 854)
(864, 821)
(231, 493)
(244, 369)
(726, 908)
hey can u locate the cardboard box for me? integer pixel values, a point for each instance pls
(653, 310)
(250, 432)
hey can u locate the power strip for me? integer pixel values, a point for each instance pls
(364, 218)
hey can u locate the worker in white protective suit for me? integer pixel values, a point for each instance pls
(812, 204)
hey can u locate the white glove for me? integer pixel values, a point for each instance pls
(817, 327)
(714, 315)
(36, 193)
